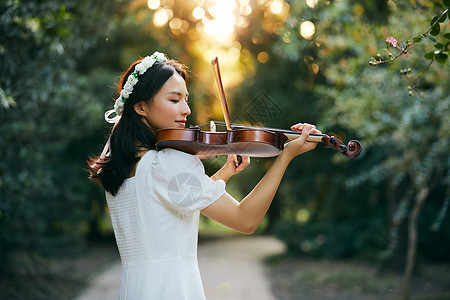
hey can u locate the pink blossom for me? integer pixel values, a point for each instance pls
(392, 41)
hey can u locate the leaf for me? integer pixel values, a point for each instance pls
(441, 58)
(433, 20)
(431, 38)
(439, 46)
(447, 36)
(442, 19)
(429, 55)
(447, 3)
(435, 30)
(417, 39)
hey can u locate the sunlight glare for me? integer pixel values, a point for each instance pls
(221, 27)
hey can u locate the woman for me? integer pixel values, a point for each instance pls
(155, 197)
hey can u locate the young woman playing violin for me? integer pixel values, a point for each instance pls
(155, 197)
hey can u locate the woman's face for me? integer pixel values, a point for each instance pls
(169, 108)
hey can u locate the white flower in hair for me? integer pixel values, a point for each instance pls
(140, 68)
(118, 106)
(147, 62)
(131, 80)
(128, 87)
(158, 56)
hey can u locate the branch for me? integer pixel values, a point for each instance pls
(430, 33)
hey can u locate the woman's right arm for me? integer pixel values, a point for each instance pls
(245, 216)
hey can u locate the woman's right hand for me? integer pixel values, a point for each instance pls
(300, 145)
(230, 168)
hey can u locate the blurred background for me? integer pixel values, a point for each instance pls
(282, 62)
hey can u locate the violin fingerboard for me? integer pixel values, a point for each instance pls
(311, 137)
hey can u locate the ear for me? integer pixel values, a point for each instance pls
(140, 108)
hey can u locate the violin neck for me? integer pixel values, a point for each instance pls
(313, 137)
(290, 134)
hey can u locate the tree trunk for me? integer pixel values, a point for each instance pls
(412, 241)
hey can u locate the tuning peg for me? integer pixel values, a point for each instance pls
(343, 148)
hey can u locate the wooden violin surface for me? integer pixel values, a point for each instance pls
(254, 143)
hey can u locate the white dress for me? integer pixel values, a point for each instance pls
(155, 218)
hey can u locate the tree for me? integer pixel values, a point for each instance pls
(405, 130)
(46, 111)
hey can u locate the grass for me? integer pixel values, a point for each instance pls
(301, 278)
(56, 278)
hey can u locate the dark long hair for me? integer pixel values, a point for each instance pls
(131, 132)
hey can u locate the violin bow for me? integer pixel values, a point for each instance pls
(223, 101)
(352, 149)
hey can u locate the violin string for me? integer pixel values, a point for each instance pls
(241, 126)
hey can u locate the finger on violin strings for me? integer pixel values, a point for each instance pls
(316, 131)
(301, 126)
(305, 133)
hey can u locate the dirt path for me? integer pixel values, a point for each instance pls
(231, 269)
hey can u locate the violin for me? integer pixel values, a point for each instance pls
(241, 140)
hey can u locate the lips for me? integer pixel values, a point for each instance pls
(181, 122)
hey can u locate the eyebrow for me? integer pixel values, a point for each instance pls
(177, 93)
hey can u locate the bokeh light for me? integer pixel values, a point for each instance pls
(277, 6)
(307, 29)
(311, 3)
(313, 68)
(153, 4)
(198, 13)
(263, 57)
(162, 16)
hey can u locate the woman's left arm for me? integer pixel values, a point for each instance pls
(246, 215)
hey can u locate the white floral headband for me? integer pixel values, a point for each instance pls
(132, 79)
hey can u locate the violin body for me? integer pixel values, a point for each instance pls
(254, 143)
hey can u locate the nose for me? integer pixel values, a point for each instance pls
(185, 110)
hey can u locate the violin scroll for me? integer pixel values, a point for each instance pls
(352, 149)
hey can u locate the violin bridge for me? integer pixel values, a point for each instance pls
(212, 126)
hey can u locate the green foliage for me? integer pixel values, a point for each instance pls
(48, 115)
(402, 120)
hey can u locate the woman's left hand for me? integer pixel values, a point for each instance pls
(301, 144)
